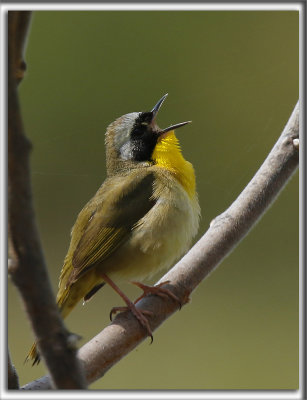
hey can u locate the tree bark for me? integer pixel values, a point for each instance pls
(27, 266)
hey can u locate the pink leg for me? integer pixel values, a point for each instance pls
(139, 314)
(157, 290)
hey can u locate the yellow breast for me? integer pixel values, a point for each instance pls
(167, 154)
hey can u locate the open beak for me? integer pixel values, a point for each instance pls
(155, 112)
(157, 106)
(172, 127)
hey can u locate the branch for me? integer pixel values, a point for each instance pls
(225, 232)
(27, 266)
(13, 381)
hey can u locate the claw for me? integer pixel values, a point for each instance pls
(157, 290)
(138, 313)
(115, 310)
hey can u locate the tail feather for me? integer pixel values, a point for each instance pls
(67, 299)
(33, 355)
(62, 302)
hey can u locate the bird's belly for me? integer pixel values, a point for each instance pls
(163, 235)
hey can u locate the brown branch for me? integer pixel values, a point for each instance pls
(12, 377)
(27, 267)
(225, 232)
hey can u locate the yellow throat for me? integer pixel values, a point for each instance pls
(167, 154)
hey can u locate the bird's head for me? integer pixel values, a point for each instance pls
(132, 138)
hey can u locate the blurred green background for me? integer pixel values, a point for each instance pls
(235, 75)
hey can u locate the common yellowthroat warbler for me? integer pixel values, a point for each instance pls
(142, 218)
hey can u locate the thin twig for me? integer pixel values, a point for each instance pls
(225, 232)
(27, 267)
(12, 377)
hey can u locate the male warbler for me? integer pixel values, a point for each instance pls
(141, 219)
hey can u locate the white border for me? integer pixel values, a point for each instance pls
(154, 6)
(302, 220)
(141, 395)
(3, 212)
(278, 395)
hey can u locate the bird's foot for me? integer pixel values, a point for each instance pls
(157, 290)
(139, 314)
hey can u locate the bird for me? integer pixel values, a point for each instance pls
(141, 220)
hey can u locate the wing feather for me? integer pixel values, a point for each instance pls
(116, 211)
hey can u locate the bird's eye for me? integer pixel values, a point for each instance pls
(137, 132)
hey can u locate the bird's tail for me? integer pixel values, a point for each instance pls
(67, 299)
(33, 355)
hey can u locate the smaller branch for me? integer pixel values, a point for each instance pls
(27, 265)
(225, 232)
(13, 381)
(19, 23)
